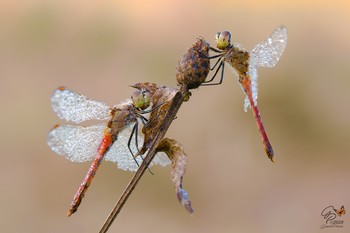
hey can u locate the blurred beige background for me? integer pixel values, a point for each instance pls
(98, 49)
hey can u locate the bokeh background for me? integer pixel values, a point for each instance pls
(99, 48)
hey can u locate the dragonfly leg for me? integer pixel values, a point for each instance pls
(215, 56)
(221, 66)
(143, 119)
(150, 110)
(216, 63)
(134, 129)
(136, 137)
(214, 49)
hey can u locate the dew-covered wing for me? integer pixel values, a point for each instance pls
(76, 143)
(265, 54)
(253, 74)
(268, 52)
(119, 152)
(74, 107)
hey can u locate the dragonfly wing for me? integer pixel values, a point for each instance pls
(74, 107)
(119, 152)
(253, 74)
(246, 104)
(268, 52)
(239, 46)
(76, 143)
(161, 159)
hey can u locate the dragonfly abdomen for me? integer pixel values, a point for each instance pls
(246, 84)
(101, 151)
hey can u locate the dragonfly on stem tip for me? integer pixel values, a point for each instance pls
(245, 64)
(111, 141)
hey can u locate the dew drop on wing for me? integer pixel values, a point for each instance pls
(76, 143)
(253, 73)
(71, 106)
(119, 152)
(267, 53)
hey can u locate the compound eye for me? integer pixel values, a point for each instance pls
(217, 35)
(228, 36)
(137, 99)
(147, 98)
(223, 40)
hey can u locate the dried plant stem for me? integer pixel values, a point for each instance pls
(177, 101)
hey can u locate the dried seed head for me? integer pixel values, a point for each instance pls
(193, 68)
(151, 87)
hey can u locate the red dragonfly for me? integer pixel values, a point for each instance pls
(111, 141)
(265, 54)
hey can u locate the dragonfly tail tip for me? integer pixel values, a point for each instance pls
(270, 154)
(70, 212)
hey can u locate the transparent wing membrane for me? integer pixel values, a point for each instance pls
(265, 54)
(253, 73)
(74, 107)
(268, 52)
(79, 144)
(246, 104)
(76, 143)
(161, 159)
(119, 152)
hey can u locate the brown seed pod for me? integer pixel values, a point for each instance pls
(194, 66)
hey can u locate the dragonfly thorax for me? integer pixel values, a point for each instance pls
(223, 40)
(121, 116)
(238, 59)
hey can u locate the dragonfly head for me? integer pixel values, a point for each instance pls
(223, 40)
(141, 99)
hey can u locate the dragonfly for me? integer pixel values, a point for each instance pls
(265, 54)
(111, 140)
